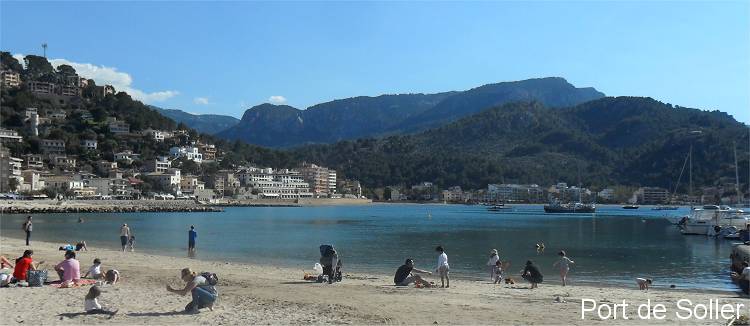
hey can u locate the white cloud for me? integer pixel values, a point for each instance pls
(122, 81)
(201, 100)
(19, 57)
(277, 99)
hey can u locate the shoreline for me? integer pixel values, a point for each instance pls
(259, 293)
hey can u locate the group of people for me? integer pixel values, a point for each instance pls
(127, 239)
(407, 274)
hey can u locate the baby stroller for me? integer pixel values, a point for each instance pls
(331, 263)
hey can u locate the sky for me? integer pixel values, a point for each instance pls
(225, 57)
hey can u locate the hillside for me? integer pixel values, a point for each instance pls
(205, 123)
(624, 140)
(364, 116)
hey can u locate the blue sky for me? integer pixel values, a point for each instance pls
(223, 57)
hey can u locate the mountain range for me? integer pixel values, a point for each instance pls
(205, 123)
(364, 116)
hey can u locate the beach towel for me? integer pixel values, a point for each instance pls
(81, 282)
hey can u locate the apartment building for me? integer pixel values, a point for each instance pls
(53, 146)
(8, 136)
(89, 144)
(190, 153)
(118, 127)
(10, 79)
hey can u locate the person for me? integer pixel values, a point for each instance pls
(494, 258)
(497, 272)
(644, 283)
(745, 234)
(80, 220)
(28, 226)
(532, 274)
(743, 278)
(66, 247)
(95, 270)
(131, 243)
(69, 270)
(404, 275)
(191, 238)
(24, 264)
(112, 276)
(5, 262)
(564, 265)
(443, 268)
(81, 245)
(124, 235)
(91, 303)
(204, 295)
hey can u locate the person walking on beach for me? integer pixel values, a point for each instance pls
(564, 265)
(443, 268)
(532, 274)
(191, 238)
(124, 235)
(494, 258)
(28, 227)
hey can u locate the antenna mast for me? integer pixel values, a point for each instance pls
(44, 48)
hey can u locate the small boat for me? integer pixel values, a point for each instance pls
(498, 207)
(709, 218)
(630, 206)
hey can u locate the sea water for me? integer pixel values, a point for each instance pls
(613, 246)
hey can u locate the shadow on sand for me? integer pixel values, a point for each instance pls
(156, 314)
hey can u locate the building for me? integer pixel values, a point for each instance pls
(190, 183)
(62, 182)
(606, 194)
(10, 79)
(208, 151)
(161, 164)
(32, 181)
(514, 193)
(353, 187)
(64, 162)
(33, 161)
(169, 180)
(43, 88)
(8, 136)
(453, 194)
(70, 90)
(126, 156)
(105, 90)
(156, 135)
(652, 195)
(53, 146)
(318, 177)
(118, 127)
(282, 184)
(89, 144)
(190, 153)
(57, 115)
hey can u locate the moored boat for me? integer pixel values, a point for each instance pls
(569, 208)
(630, 206)
(710, 219)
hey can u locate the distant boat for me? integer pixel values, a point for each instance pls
(498, 207)
(630, 206)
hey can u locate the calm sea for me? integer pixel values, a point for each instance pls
(613, 246)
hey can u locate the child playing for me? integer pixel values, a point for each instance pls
(564, 265)
(91, 304)
(443, 268)
(131, 243)
(494, 258)
(497, 272)
(96, 270)
(112, 276)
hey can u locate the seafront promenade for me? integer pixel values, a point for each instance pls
(124, 206)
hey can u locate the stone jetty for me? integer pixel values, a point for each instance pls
(103, 206)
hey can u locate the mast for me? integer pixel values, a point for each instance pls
(690, 187)
(736, 175)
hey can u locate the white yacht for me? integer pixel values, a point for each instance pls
(704, 220)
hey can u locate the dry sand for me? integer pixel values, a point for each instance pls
(260, 294)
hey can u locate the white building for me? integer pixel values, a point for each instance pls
(190, 153)
(118, 127)
(89, 144)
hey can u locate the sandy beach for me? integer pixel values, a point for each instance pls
(260, 294)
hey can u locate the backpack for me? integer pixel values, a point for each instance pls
(211, 278)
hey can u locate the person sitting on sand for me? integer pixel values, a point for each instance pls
(404, 275)
(91, 303)
(532, 274)
(4, 262)
(112, 276)
(69, 270)
(564, 265)
(643, 283)
(95, 270)
(24, 264)
(204, 295)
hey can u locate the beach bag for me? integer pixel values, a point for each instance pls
(37, 277)
(211, 278)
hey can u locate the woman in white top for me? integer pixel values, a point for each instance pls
(564, 265)
(443, 268)
(491, 263)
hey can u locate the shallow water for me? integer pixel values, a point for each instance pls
(613, 246)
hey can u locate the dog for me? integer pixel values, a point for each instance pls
(509, 280)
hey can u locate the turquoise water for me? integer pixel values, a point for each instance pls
(613, 246)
